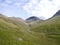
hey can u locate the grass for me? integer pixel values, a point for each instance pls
(11, 31)
(15, 32)
(51, 28)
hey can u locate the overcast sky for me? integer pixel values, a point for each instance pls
(26, 8)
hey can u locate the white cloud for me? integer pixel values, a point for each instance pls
(44, 8)
(3, 5)
(9, 1)
(17, 4)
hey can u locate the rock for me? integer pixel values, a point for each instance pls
(20, 39)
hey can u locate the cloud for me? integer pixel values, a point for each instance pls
(57, 3)
(9, 1)
(40, 8)
(17, 4)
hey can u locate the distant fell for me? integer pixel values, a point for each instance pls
(57, 13)
(32, 18)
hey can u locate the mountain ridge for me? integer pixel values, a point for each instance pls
(57, 13)
(16, 31)
(32, 18)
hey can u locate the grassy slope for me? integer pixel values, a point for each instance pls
(13, 32)
(51, 28)
(35, 24)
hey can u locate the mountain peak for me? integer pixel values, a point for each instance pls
(57, 13)
(3, 16)
(32, 18)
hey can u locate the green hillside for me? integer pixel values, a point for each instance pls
(15, 31)
(51, 28)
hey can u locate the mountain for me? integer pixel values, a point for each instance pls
(57, 13)
(51, 28)
(2, 16)
(33, 21)
(32, 18)
(16, 31)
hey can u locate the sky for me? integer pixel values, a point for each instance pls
(43, 9)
